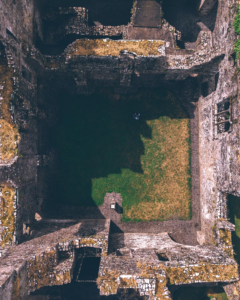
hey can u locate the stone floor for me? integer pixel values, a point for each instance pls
(148, 14)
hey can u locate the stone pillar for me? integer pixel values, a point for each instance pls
(205, 7)
(232, 291)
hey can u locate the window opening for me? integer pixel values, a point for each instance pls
(162, 256)
(222, 117)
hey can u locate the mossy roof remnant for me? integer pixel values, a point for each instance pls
(107, 47)
(39, 267)
(225, 237)
(204, 272)
(9, 135)
(108, 282)
(7, 213)
(164, 273)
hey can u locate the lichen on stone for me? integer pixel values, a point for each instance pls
(113, 48)
(7, 213)
(108, 283)
(9, 135)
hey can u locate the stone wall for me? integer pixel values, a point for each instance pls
(219, 151)
(20, 23)
(126, 66)
(205, 6)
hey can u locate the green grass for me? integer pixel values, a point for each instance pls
(103, 149)
(199, 293)
(236, 25)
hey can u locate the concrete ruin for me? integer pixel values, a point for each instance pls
(44, 47)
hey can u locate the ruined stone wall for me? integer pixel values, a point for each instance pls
(20, 22)
(42, 261)
(219, 166)
(18, 18)
(74, 20)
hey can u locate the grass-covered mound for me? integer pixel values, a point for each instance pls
(103, 149)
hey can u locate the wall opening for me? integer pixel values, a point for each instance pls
(162, 256)
(26, 74)
(87, 264)
(205, 89)
(89, 268)
(222, 116)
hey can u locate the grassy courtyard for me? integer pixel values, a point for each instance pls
(103, 149)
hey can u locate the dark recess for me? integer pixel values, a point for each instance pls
(182, 14)
(106, 12)
(67, 40)
(89, 269)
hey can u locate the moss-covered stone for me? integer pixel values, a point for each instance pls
(113, 48)
(7, 213)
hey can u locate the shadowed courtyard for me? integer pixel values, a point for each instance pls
(102, 148)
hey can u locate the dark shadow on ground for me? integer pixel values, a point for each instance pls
(182, 14)
(85, 291)
(62, 44)
(234, 216)
(96, 135)
(107, 12)
(198, 293)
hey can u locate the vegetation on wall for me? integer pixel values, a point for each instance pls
(236, 25)
(9, 135)
(113, 48)
(7, 217)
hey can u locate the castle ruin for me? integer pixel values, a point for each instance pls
(47, 47)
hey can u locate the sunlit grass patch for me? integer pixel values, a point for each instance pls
(113, 48)
(166, 170)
